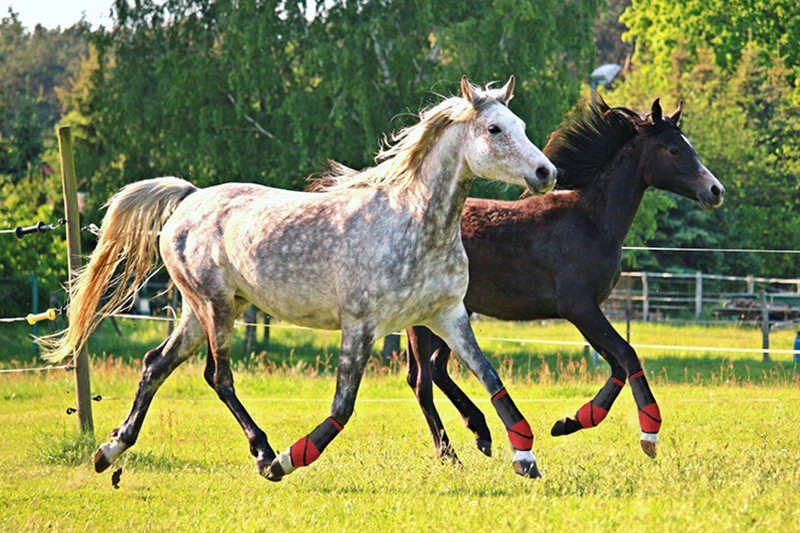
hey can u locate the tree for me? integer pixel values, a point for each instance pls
(741, 113)
(266, 92)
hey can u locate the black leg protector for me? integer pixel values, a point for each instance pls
(593, 412)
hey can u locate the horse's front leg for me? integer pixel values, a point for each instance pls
(420, 380)
(595, 411)
(357, 343)
(600, 333)
(453, 326)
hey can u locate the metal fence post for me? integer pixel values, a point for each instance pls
(698, 294)
(764, 325)
(69, 183)
(645, 298)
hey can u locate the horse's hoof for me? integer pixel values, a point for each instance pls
(485, 446)
(100, 461)
(448, 454)
(649, 448)
(274, 472)
(279, 467)
(527, 469)
(565, 426)
(649, 442)
(525, 464)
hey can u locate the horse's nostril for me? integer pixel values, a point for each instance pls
(543, 173)
(716, 191)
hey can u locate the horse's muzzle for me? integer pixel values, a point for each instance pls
(713, 197)
(543, 181)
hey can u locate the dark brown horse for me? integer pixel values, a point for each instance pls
(558, 256)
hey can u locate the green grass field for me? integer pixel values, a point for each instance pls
(728, 459)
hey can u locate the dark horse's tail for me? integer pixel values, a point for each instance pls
(129, 233)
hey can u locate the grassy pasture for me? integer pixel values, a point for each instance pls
(728, 460)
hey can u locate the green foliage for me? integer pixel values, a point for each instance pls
(726, 27)
(266, 91)
(732, 66)
(33, 199)
(32, 66)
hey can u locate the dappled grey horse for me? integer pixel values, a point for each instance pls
(378, 251)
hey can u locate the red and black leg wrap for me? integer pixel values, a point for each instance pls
(594, 412)
(519, 431)
(649, 414)
(306, 450)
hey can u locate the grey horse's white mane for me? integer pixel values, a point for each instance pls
(401, 156)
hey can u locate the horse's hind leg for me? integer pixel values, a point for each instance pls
(419, 379)
(454, 328)
(158, 365)
(219, 322)
(357, 343)
(472, 416)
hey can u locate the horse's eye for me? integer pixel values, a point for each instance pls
(494, 129)
(674, 150)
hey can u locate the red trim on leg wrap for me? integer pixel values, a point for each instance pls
(650, 418)
(308, 449)
(303, 452)
(503, 392)
(521, 436)
(590, 415)
(518, 429)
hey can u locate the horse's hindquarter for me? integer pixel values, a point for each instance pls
(312, 259)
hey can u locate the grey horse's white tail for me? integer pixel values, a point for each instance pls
(129, 234)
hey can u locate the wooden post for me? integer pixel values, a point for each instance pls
(698, 294)
(586, 348)
(70, 185)
(628, 325)
(764, 325)
(250, 330)
(264, 321)
(172, 296)
(391, 346)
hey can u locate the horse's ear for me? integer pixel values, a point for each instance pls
(508, 90)
(467, 90)
(676, 115)
(655, 111)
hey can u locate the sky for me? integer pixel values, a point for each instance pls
(64, 13)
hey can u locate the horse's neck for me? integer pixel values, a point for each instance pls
(615, 196)
(443, 184)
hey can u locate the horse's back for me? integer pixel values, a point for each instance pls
(314, 259)
(251, 241)
(545, 247)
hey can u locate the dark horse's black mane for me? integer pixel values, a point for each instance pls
(583, 146)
